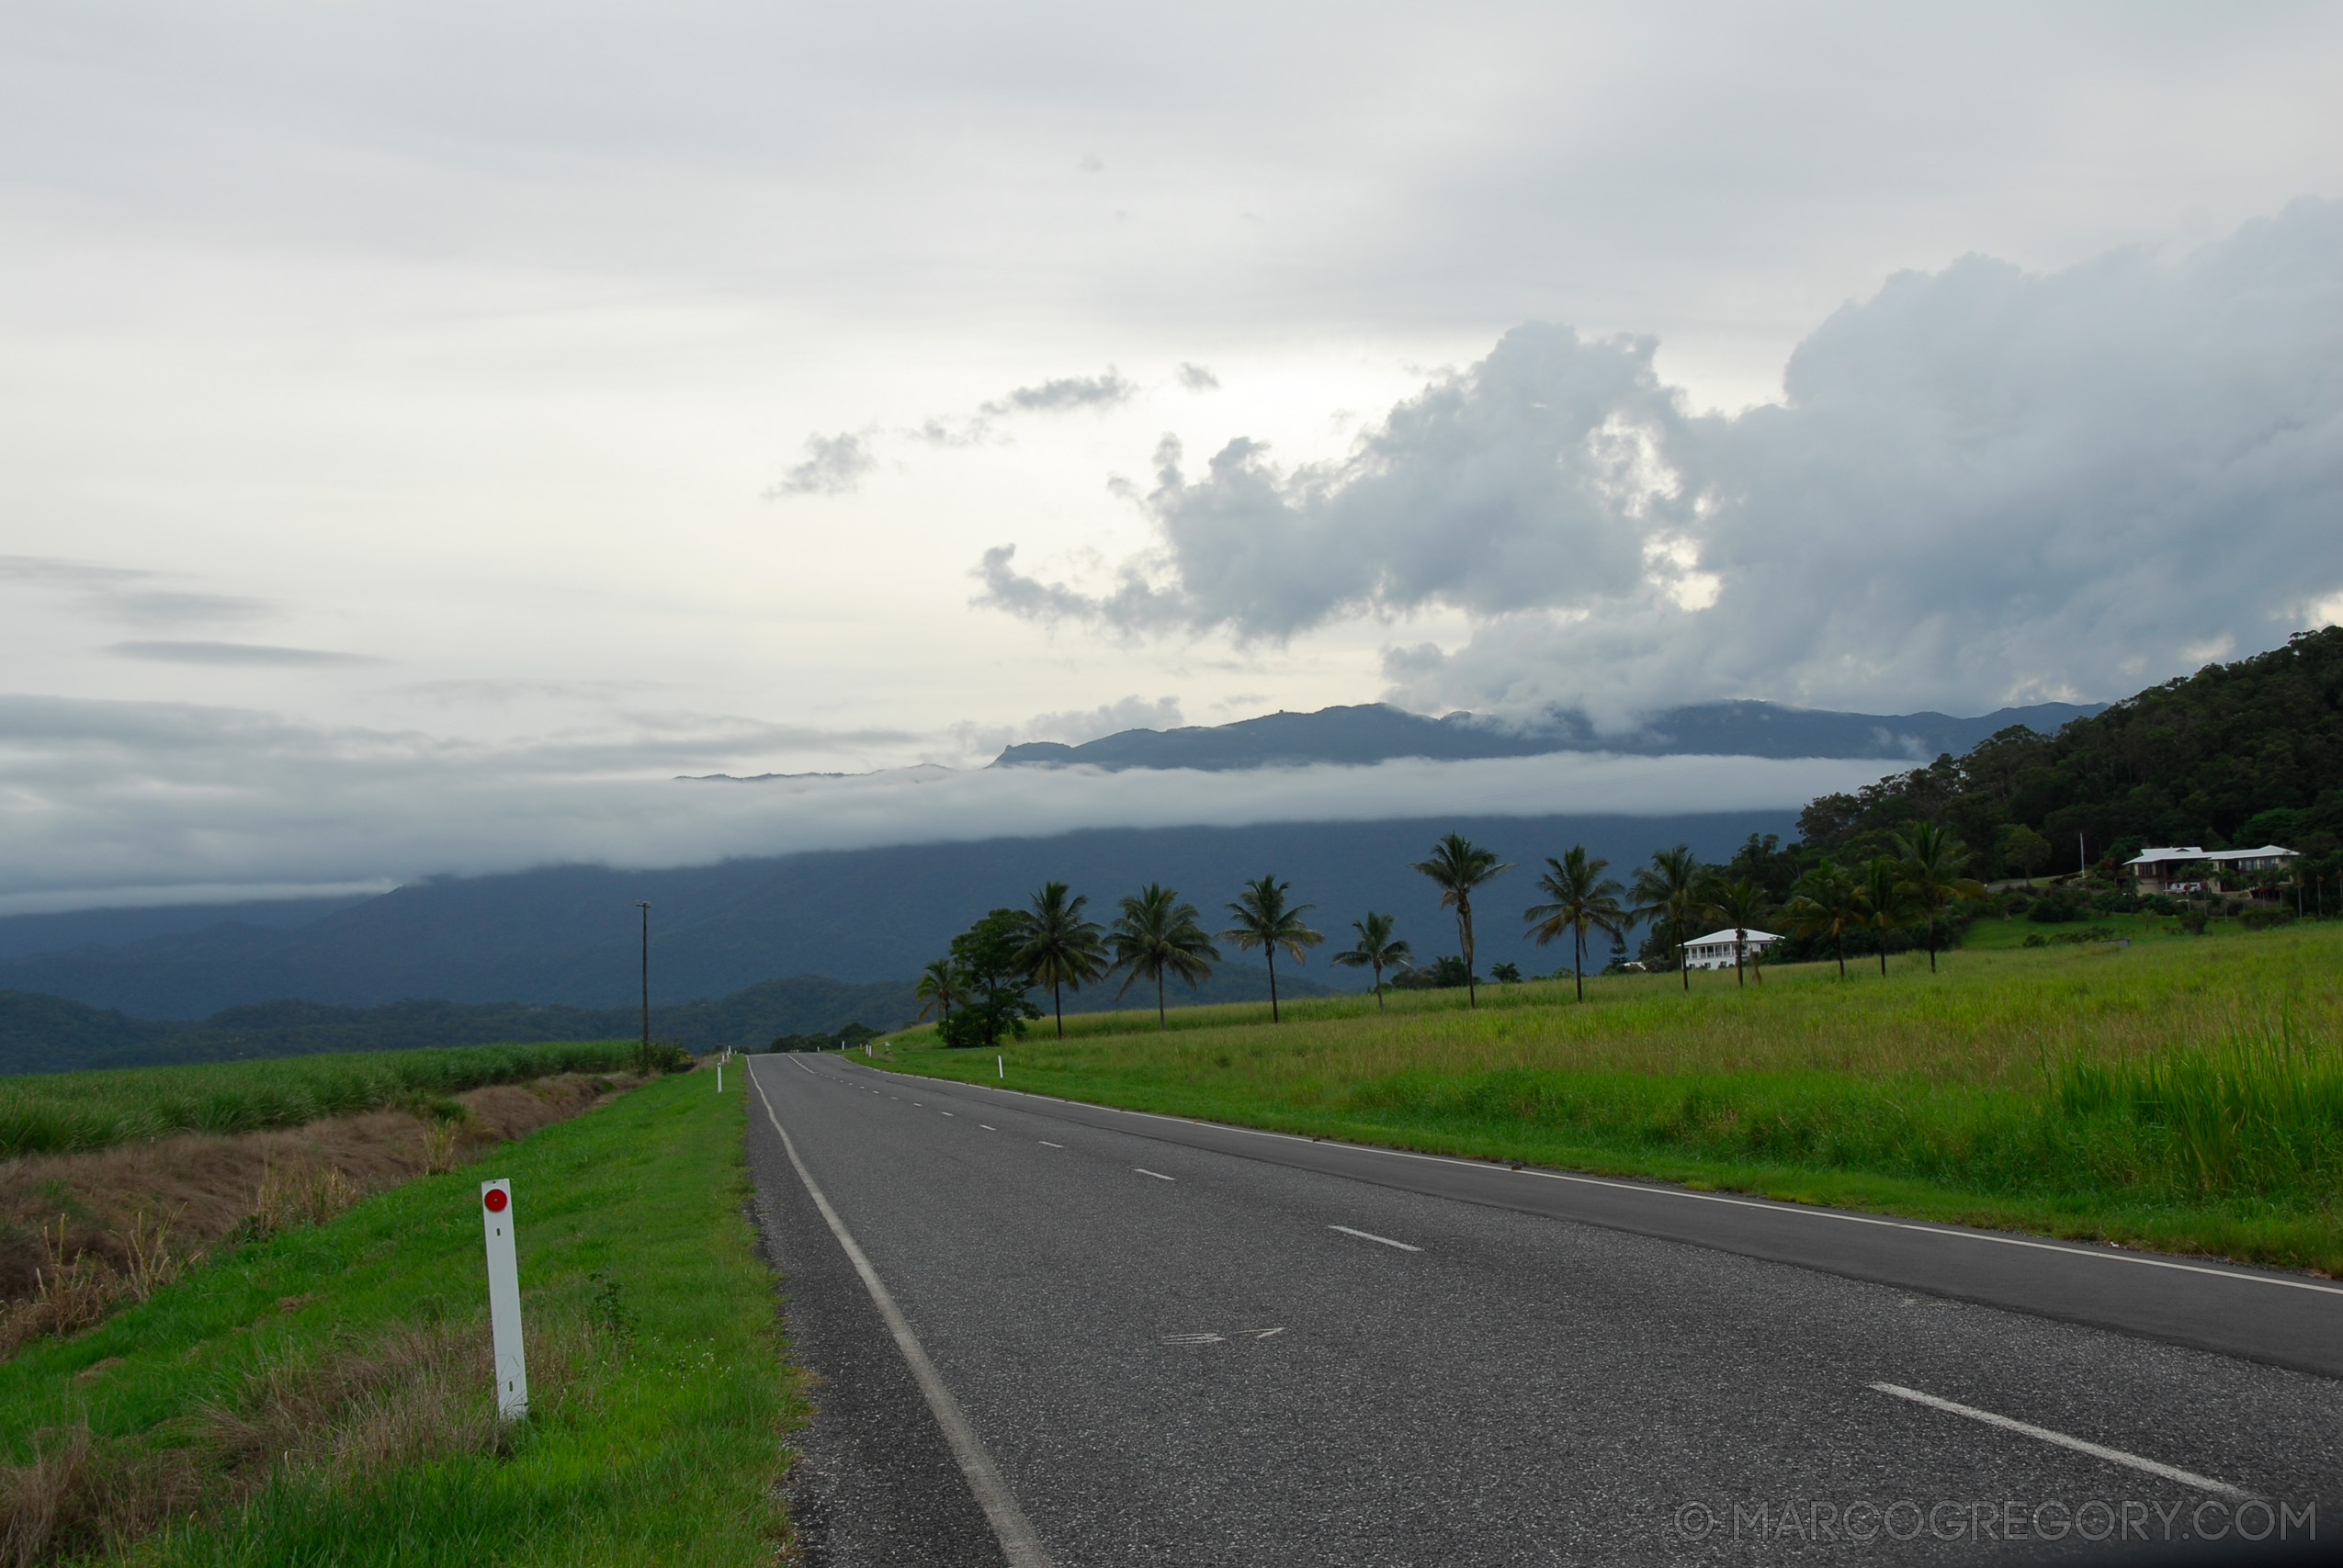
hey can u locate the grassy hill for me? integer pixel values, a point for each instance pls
(2183, 1091)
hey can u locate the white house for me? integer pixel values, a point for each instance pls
(2158, 869)
(1714, 950)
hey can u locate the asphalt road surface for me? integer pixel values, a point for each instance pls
(1056, 1334)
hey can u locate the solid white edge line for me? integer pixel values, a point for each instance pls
(1157, 1174)
(1014, 1531)
(1370, 1235)
(2027, 1429)
(1802, 1211)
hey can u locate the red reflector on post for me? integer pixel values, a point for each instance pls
(495, 1200)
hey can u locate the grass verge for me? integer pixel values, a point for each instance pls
(324, 1397)
(2184, 1094)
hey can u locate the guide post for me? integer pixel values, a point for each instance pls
(504, 1300)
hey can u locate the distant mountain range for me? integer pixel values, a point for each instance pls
(1374, 732)
(567, 935)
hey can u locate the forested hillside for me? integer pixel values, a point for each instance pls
(2234, 756)
(42, 1034)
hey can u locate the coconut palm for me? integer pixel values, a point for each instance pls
(1457, 866)
(1929, 864)
(939, 986)
(1264, 922)
(1584, 900)
(1740, 903)
(1885, 904)
(1061, 948)
(1667, 893)
(1825, 903)
(1376, 950)
(1156, 934)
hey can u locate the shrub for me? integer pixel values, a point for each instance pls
(2263, 917)
(2055, 908)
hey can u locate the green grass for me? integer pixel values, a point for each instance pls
(60, 1112)
(2186, 1093)
(660, 1391)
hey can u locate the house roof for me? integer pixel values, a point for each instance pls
(2189, 853)
(1725, 937)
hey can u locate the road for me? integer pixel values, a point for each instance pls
(1120, 1340)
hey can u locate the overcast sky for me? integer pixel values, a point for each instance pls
(674, 389)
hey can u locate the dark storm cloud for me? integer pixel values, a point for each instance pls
(1984, 484)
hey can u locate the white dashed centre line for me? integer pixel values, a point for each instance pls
(988, 1126)
(943, 1114)
(1045, 1143)
(1370, 1235)
(2043, 1434)
(1157, 1174)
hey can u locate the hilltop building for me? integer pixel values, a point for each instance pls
(2163, 870)
(1714, 950)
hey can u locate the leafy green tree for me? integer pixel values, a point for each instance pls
(988, 956)
(1826, 902)
(1264, 921)
(1740, 904)
(1505, 974)
(1885, 903)
(1581, 899)
(1667, 893)
(2025, 848)
(939, 986)
(1929, 866)
(1456, 867)
(1156, 934)
(1061, 948)
(1376, 950)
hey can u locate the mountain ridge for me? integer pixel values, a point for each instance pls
(1377, 732)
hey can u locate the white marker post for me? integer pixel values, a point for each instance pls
(719, 1074)
(1000, 1068)
(504, 1301)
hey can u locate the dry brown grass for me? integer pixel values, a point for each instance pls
(346, 1416)
(82, 1232)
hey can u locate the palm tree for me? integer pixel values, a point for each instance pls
(1929, 863)
(1667, 893)
(939, 986)
(1740, 905)
(1457, 866)
(1376, 950)
(1584, 900)
(1155, 935)
(1061, 948)
(1264, 922)
(1825, 903)
(1883, 901)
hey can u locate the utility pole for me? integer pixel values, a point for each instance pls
(646, 985)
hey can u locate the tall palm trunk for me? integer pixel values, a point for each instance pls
(1270, 949)
(1058, 1006)
(1464, 940)
(1378, 986)
(1740, 940)
(1159, 1024)
(1579, 959)
(1840, 938)
(1882, 953)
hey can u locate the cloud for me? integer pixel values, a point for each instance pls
(124, 593)
(1102, 391)
(834, 464)
(1197, 378)
(1982, 486)
(250, 653)
(102, 801)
